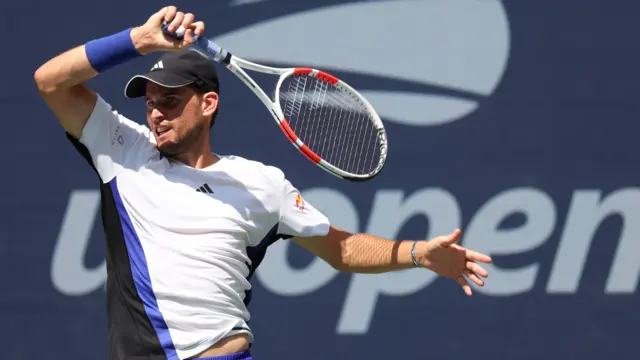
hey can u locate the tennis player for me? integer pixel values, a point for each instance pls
(186, 227)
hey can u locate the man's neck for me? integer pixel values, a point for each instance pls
(199, 160)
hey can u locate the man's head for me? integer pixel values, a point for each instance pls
(181, 92)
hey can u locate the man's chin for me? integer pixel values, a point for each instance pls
(167, 148)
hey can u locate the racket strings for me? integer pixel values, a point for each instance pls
(332, 122)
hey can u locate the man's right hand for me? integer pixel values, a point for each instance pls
(150, 38)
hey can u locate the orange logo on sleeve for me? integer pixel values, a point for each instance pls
(299, 202)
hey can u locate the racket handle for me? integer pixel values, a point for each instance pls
(204, 46)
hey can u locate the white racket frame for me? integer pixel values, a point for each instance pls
(236, 66)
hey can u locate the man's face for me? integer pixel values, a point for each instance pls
(178, 117)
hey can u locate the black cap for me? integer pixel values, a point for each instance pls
(176, 69)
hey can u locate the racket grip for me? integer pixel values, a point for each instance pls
(204, 46)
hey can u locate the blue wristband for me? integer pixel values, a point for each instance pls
(110, 51)
(413, 254)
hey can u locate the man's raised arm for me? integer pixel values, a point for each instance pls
(61, 79)
(61, 85)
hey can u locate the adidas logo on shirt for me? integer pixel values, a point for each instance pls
(157, 65)
(205, 189)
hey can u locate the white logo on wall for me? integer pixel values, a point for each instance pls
(457, 45)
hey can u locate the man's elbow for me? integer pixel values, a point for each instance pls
(43, 81)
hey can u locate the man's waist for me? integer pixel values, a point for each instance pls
(193, 337)
(228, 345)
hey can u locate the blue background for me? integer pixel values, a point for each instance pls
(562, 118)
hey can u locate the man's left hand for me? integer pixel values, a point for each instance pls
(446, 258)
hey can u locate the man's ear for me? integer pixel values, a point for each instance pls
(209, 103)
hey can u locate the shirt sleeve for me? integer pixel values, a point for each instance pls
(298, 217)
(114, 141)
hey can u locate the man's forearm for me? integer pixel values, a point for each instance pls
(66, 70)
(75, 67)
(363, 253)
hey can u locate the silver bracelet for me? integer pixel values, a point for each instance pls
(413, 254)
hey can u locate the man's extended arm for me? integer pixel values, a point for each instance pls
(363, 253)
(360, 253)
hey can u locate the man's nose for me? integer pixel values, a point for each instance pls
(157, 116)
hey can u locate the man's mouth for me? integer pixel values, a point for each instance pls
(162, 129)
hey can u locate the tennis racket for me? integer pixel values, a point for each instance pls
(327, 120)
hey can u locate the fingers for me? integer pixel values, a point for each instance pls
(170, 13)
(465, 285)
(186, 23)
(451, 238)
(474, 278)
(177, 21)
(476, 256)
(188, 20)
(473, 255)
(476, 269)
(198, 27)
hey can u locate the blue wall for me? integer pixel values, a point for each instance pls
(516, 121)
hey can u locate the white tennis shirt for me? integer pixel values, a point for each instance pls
(182, 243)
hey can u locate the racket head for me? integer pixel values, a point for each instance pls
(331, 123)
